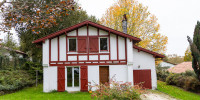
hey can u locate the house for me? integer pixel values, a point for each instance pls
(5, 51)
(89, 52)
(166, 64)
(182, 67)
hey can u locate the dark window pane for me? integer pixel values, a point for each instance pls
(76, 76)
(72, 44)
(103, 44)
(69, 77)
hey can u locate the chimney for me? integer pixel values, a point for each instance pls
(124, 24)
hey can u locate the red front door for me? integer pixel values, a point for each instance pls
(142, 77)
(61, 78)
(84, 78)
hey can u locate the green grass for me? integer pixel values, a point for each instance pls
(35, 93)
(177, 92)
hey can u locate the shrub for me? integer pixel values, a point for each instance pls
(162, 73)
(187, 81)
(14, 80)
(117, 91)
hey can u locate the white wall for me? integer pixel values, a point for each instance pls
(118, 72)
(121, 47)
(54, 49)
(113, 47)
(45, 53)
(92, 31)
(93, 75)
(82, 31)
(165, 64)
(49, 78)
(143, 60)
(62, 45)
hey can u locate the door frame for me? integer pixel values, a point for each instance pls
(108, 72)
(73, 88)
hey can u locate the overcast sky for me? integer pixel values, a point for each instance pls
(177, 18)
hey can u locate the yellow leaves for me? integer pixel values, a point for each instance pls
(141, 23)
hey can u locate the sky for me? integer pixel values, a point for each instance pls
(177, 18)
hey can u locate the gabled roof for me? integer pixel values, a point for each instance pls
(156, 55)
(9, 49)
(135, 39)
(182, 67)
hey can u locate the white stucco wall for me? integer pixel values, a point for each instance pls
(62, 47)
(82, 31)
(92, 31)
(118, 72)
(113, 46)
(121, 47)
(143, 60)
(49, 78)
(54, 49)
(45, 53)
(93, 75)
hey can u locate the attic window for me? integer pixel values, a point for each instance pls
(72, 44)
(103, 44)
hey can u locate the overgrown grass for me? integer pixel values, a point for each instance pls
(177, 92)
(35, 93)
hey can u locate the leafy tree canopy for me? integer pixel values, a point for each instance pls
(141, 23)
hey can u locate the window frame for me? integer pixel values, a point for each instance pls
(72, 77)
(68, 44)
(103, 51)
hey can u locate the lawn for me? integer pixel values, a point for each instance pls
(35, 93)
(177, 92)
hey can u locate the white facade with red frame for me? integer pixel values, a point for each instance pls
(119, 54)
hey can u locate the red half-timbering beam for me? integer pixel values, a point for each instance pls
(49, 50)
(109, 44)
(117, 49)
(88, 42)
(125, 49)
(58, 49)
(66, 47)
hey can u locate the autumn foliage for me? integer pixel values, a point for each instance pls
(141, 23)
(34, 14)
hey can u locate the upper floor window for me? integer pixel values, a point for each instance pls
(72, 44)
(103, 44)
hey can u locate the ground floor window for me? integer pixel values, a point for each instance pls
(73, 76)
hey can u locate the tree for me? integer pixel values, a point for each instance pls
(195, 48)
(141, 23)
(188, 55)
(26, 35)
(34, 14)
(174, 58)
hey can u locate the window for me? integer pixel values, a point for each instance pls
(103, 44)
(72, 45)
(72, 76)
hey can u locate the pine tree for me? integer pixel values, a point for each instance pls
(195, 48)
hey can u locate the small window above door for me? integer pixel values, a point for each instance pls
(72, 44)
(103, 44)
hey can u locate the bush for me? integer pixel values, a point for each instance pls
(14, 80)
(162, 73)
(187, 81)
(117, 91)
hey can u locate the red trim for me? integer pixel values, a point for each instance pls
(109, 45)
(156, 55)
(117, 49)
(135, 39)
(125, 49)
(88, 45)
(58, 49)
(49, 50)
(66, 48)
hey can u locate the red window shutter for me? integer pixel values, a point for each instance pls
(61, 79)
(94, 44)
(84, 78)
(82, 47)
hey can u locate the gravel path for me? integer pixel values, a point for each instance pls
(156, 96)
